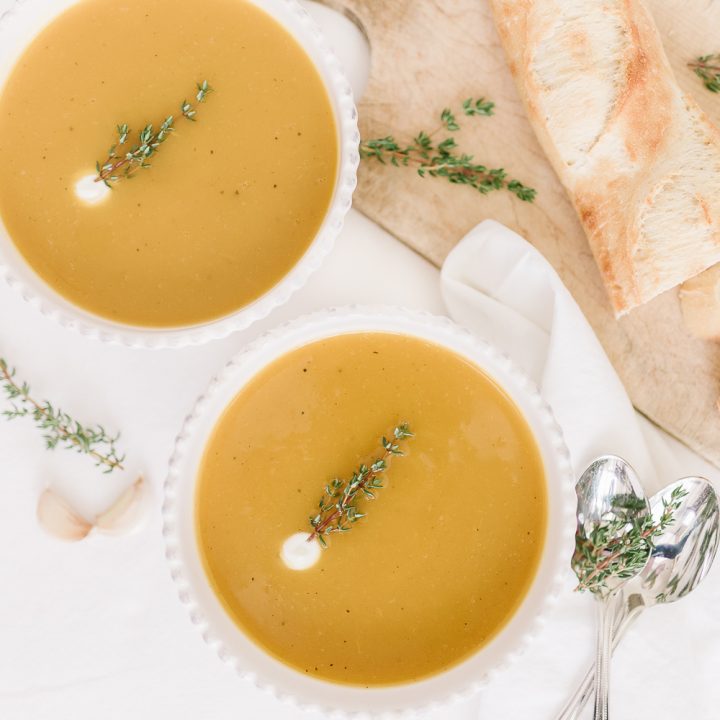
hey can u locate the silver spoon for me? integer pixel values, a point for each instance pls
(682, 557)
(608, 494)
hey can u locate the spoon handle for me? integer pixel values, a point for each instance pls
(623, 620)
(602, 659)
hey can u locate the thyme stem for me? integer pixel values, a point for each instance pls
(345, 500)
(467, 171)
(620, 547)
(585, 583)
(442, 159)
(60, 427)
(704, 66)
(148, 143)
(707, 68)
(337, 512)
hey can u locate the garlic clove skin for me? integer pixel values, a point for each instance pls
(59, 519)
(128, 512)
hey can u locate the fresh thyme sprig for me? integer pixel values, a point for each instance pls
(337, 511)
(707, 68)
(60, 428)
(123, 164)
(620, 547)
(442, 159)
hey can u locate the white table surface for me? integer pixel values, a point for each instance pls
(94, 629)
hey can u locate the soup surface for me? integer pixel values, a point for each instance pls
(231, 201)
(447, 549)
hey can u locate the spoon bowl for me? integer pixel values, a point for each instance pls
(609, 499)
(684, 552)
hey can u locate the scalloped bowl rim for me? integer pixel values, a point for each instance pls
(22, 23)
(255, 664)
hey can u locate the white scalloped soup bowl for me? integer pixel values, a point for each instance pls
(21, 25)
(252, 662)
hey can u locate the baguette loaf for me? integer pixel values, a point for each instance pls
(700, 301)
(639, 158)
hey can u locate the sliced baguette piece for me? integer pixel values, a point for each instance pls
(700, 302)
(639, 159)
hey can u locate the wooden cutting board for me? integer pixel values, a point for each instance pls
(429, 54)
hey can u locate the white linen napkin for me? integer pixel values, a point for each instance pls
(497, 285)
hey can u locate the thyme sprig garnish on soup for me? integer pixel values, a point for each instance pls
(337, 509)
(442, 158)
(621, 547)
(59, 428)
(124, 163)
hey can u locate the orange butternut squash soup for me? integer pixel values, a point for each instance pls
(441, 558)
(231, 201)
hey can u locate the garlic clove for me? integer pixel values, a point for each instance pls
(59, 519)
(128, 511)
